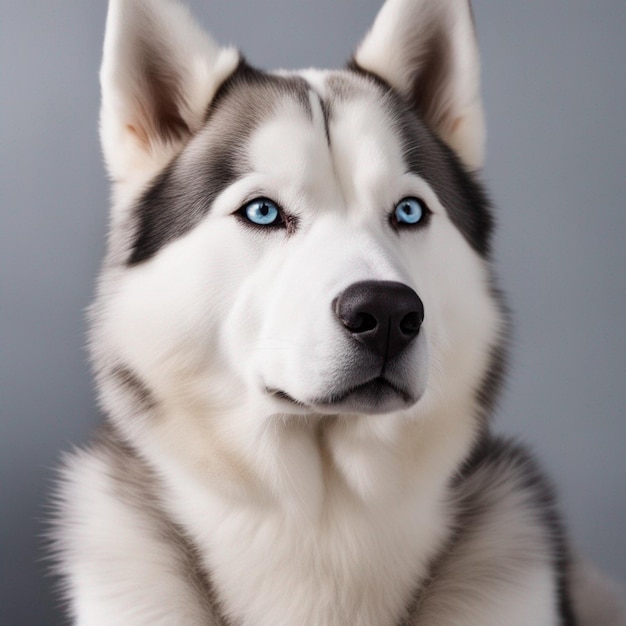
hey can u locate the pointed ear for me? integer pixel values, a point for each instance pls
(427, 50)
(158, 76)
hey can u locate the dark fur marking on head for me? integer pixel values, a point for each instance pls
(172, 205)
(268, 87)
(353, 67)
(179, 197)
(425, 154)
(459, 191)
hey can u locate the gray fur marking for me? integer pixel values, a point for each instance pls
(182, 194)
(496, 469)
(425, 154)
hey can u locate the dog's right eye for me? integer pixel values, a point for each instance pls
(261, 212)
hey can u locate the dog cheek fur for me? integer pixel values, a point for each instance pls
(161, 320)
(462, 318)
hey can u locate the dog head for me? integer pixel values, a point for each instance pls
(307, 242)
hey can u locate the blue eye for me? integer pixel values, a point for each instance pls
(409, 211)
(262, 212)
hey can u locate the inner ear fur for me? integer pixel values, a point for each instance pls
(159, 72)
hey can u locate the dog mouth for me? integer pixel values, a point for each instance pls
(377, 395)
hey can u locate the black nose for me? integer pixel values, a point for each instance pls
(385, 316)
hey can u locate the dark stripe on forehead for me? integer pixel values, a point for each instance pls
(269, 88)
(183, 193)
(426, 155)
(326, 114)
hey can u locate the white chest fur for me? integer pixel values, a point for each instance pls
(347, 543)
(347, 566)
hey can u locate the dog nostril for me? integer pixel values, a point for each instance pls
(361, 323)
(411, 323)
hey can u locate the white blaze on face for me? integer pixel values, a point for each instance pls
(300, 347)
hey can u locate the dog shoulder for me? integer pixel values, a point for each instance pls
(119, 555)
(507, 561)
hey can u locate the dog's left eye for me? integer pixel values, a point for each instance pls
(409, 212)
(261, 212)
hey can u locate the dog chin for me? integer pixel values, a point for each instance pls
(374, 397)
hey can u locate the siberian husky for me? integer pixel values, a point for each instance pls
(298, 341)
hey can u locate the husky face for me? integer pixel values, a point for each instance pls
(209, 294)
(303, 243)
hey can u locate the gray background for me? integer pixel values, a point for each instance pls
(554, 85)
